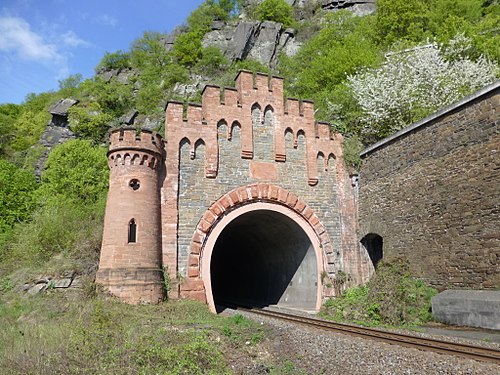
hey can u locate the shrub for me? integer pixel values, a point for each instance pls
(89, 121)
(275, 10)
(76, 171)
(113, 97)
(187, 48)
(114, 60)
(212, 61)
(391, 297)
(16, 195)
(63, 227)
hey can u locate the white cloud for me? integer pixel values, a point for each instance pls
(71, 39)
(106, 20)
(16, 36)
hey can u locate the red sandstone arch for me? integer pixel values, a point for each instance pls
(233, 204)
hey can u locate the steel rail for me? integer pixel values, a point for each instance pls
(422, 343)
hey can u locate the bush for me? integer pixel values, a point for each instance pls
(275, 10)
(114, 98)
(89, 121)
(391, 297)
(114, 60)
(76, 171)
(212, 61)
(59, 228)
(16, 195)
(187, 48)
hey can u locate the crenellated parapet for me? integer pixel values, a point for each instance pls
(131, 147)
(256, 99)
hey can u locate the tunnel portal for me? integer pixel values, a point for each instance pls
(264, 258)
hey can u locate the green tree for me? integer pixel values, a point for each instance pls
(402, 20)
(275, 10)
(114, 60)
(75, 171)
(209, 11)
(149, 52)
(28, 128)
(69, 86)
(212, 61)
(114, 98)
(187, 48)
(16, 195)
(8, 115)
(89, 121)
(320, 68)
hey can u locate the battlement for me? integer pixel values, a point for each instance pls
(130, 147)
(257, 101)
(128, 138)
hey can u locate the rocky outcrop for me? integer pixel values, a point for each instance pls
(56, 132)
(358, 7)
(260, 41)
(122, 75)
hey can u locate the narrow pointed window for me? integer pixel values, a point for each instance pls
(132, 231)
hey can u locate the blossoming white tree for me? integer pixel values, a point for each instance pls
(413, 83)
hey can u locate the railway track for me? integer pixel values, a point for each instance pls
(439, 346)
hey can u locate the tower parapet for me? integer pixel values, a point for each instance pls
(130, 264)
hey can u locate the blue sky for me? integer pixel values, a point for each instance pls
(43, 41)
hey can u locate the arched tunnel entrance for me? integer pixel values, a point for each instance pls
(265, 257)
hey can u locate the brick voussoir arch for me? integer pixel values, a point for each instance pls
(237, 198)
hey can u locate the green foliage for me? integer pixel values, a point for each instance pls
(16, 195)
(274, 10)
(391, 297)
(113, 97)
(28, 128)
(22, 125)
(149, 52)
(8, 116)
(94, 336)
(187, 48)
(415, 21)
(114, 60)
(69, 86)
(75, 171)
(202, 17)
(352, 147)
(402, 20)
(320, 68)
(212, 62)
(64, 227)
(89, 121)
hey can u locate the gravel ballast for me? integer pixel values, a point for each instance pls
(317, 351)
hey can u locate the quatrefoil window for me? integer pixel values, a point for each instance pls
(134, 184)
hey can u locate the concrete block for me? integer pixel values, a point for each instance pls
(472, 308)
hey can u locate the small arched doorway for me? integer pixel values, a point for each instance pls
(263, 254)
(374, 244)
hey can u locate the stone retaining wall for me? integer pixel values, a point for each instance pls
(432, 193)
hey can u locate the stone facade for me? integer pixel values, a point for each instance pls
(241, 146)
(431, 192)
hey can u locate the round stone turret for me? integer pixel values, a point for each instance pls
(130, 264)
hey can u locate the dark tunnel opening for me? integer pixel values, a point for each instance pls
(264, 258)
(374, 244)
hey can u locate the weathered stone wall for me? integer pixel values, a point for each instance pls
(432, 193)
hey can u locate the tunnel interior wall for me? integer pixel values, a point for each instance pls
(432, 195)
(252, 262)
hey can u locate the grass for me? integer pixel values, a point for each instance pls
(59, 333)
